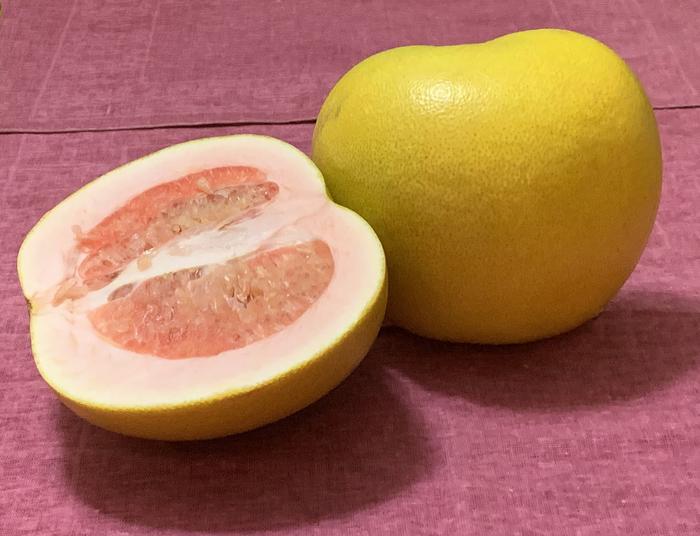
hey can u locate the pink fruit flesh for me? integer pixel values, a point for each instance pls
(210, 309)
(157, 216)
(203, 310)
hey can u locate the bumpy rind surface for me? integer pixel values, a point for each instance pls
(513, 183)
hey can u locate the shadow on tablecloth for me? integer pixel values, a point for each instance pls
(374, 437)
(643, 341)
(355, 447)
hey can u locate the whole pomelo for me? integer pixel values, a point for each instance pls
(513, 183)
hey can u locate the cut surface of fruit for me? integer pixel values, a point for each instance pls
(218, 196)
(203, 290)
(204, 311)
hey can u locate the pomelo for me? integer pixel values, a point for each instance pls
(206, 289)
(513, 183)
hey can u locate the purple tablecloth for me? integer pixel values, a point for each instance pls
(593, 432)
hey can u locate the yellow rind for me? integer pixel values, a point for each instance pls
(241, 409)
(513, 183)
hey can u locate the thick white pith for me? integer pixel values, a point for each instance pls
(76, 361)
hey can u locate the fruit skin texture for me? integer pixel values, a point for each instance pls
(235, 410)
(513, 183)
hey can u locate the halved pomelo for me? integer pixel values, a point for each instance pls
(203, 290)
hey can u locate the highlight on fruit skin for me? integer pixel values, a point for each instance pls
(513, 183)
(203, 290)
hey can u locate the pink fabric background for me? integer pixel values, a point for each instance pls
(593, 432)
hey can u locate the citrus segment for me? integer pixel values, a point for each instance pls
(164, 212)
(206, 310)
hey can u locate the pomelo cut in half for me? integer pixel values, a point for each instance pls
(203, 290)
